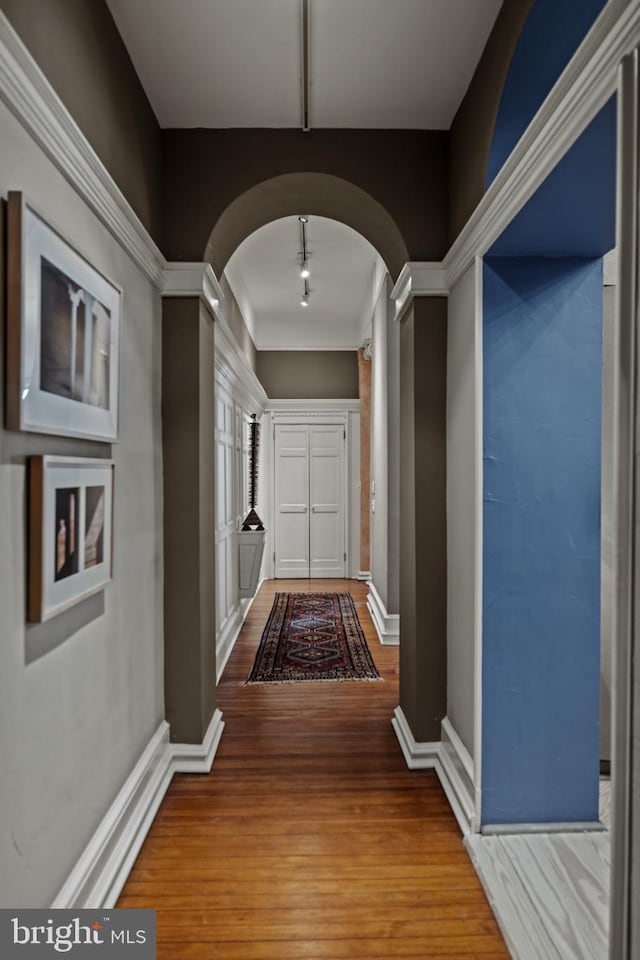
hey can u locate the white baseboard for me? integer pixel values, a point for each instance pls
(227, 640)
(506, 829)
(387, 624)
(450, 760)
(99, 874)
(455, 770)
(198, 757)
(363, 575)
(419, 756)
(102, 869)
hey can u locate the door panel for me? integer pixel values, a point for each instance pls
(326, 520)
(291, 541)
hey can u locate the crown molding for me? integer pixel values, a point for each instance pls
(184, 279)
(30, 97)
(418, 279)
(587, 82)
(583, 88)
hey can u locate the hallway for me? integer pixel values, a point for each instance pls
(310, 838)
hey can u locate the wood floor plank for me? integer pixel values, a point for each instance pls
(310, 839)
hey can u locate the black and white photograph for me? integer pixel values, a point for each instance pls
(63, 333)
(74, 342)
(66, 532)
(70, 532)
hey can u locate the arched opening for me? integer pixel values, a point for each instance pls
(317, 194)
(333, 362)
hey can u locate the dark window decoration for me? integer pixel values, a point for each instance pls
(252, 520)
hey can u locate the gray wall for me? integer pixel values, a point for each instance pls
(308, 374)
(423, 536)
(188, 376)
(80, 696)
(461, 507)
(78, 47)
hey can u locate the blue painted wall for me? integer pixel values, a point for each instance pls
(573, 213)
(551, 35)
(541, 663)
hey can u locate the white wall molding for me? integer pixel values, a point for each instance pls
(99, 874)
(191, 279)
(233, 367)
(102, 869)
(451, 763)
(311, 408)
(227, 640)
(418, 279)
(198, 757)
(387, 624)
(587, 82)
(456, 774)
(418, 756)
(31, 98)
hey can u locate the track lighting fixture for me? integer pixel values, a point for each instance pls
(305, 273)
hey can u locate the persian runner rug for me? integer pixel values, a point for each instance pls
(312, 636)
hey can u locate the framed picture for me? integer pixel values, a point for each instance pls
(63, 334)
(70, 532)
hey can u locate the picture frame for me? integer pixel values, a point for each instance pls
(70, 532)
(63, 333)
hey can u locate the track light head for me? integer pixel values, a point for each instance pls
(305, 300)
(304, 270)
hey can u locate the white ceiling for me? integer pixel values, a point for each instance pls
(264, 276)
(373, 63)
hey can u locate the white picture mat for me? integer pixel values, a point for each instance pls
(63, 474)
(40, 410)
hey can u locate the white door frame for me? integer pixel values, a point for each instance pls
(307, 412)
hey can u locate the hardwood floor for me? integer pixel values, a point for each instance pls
(310, 838)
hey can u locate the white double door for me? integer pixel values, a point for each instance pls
(309, 534)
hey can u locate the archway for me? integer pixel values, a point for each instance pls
(318, 194)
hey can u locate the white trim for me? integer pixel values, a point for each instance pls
(506, 829)
(231, 632)
(418, 756)
(363, 575)
(456, 774)
(418, 279)
(583, 88)
(387, 624)
(233, 368)
(183, 279)
(102, 869)
(478, 363)
(31, 98)
(198, 757)
(311, 408)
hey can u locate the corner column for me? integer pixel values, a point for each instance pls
(423, 543)
(189, 529)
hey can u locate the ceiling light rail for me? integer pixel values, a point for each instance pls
(303, 255)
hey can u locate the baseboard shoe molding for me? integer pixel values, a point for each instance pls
(418, 756)
(229, 636)
(387, 624)
(227, 641)
(363, 575)
(455, 769)
(198, 757)
(508, 829)
(100, 872)
(102, 869)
